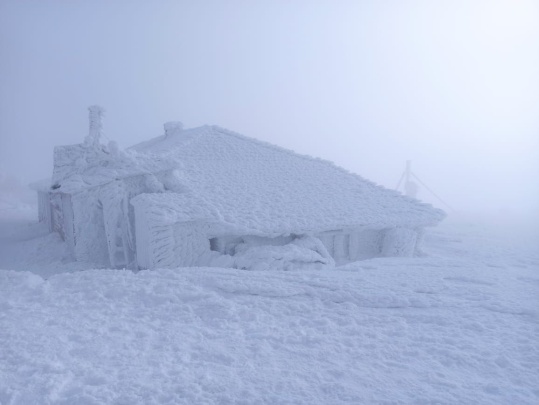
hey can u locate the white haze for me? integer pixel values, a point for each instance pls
(452, 86)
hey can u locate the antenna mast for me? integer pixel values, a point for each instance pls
(411, 188)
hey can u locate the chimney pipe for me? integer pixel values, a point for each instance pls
(96, 113)
(173, 128)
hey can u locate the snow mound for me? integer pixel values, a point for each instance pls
(305, 252)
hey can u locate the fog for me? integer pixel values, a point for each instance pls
(452, 86)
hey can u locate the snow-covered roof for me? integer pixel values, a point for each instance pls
(167, 208)
(264, 189)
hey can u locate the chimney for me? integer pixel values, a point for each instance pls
(96, 113)
(173, 128)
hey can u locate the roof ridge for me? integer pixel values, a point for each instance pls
(163, 137)
(270, 145)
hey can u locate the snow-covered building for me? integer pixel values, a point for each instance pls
(209, 196)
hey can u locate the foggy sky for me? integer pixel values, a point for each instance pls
(451, 85)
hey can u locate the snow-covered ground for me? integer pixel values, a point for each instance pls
(458, 326)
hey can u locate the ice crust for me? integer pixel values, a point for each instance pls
(234, 185)
(83, 166)
(266, 190)
(159, 203)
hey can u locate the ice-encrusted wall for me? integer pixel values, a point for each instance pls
(113, 199)
(142, 238)
(69, 225)
(348, 246)
(191, 243)
(98, 223)
(399, 242)
(57, 214)
(90, 237)
(109, 231)
(179, 243)
(44, 208)
(162, 245)
(365, 244)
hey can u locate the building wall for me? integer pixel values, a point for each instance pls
(191, 243)
(399, 242)
(55, 209)
(349, 246)
(69, 227)
(44, 209)
(182, 244)
(104, 222)
(142, 238)
(57, 214)
(89, 230)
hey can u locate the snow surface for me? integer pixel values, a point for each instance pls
(459, 325)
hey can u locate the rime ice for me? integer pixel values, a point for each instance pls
(199, 196)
